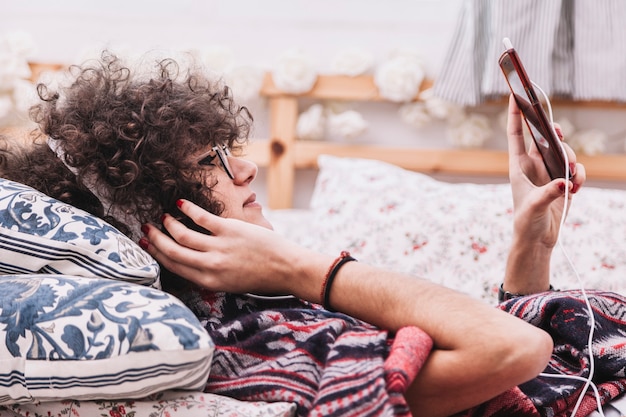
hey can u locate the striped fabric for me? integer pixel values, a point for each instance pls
(565, 316)
(329, 364)
(571, 48)
(600, 50)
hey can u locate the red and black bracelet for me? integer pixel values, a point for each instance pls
(343, 258)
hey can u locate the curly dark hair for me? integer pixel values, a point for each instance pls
(128, 137)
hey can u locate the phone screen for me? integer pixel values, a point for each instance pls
(536, 119)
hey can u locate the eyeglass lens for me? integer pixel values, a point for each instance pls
(223, 153)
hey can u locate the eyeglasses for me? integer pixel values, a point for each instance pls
(222, 153)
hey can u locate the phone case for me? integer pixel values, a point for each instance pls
(535, 117)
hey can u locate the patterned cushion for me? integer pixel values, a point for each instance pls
(93, 338)
(39, 234)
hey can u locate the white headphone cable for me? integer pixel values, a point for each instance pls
(588, 380)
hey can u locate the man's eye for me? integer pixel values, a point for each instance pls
(208, 160)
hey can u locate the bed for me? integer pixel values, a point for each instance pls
(389, 206)
(382, 204)
(404, 217)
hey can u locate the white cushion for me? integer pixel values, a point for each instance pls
(455, 234)
(39, 234)
(92, 338)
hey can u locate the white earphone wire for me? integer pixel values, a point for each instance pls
(588, 381)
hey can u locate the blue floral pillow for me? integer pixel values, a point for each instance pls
(91, 338)
(39, 234)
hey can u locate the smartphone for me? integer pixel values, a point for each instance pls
(536, 119)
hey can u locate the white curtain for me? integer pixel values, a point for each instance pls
(570, 48)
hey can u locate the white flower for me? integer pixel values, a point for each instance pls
(24, 95)
(294, 72)
(588, 142)
(399, 79)
(16, 94)
(347, 125)
(456, 115)
(567, 128)
(54, 80)
(437, 107)
(245, 82)
(6, 105)
(18, 44)
(216, 58)
(415, 114)
(352, 62)
(503, 119)
(473, 132)
(336, 106)
(12, 68)
(311, 123)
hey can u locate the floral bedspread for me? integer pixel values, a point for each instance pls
(167, 404)
(455, 234)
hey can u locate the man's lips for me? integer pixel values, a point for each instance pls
(251, 200)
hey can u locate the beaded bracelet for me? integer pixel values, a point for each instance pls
(343, 258)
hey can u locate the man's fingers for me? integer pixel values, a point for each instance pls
(201, 217)
(514, 129)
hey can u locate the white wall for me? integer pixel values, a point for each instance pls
(257, 32)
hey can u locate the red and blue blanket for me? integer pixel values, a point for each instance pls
(566, 317)
(329, 364)
(332, 365)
